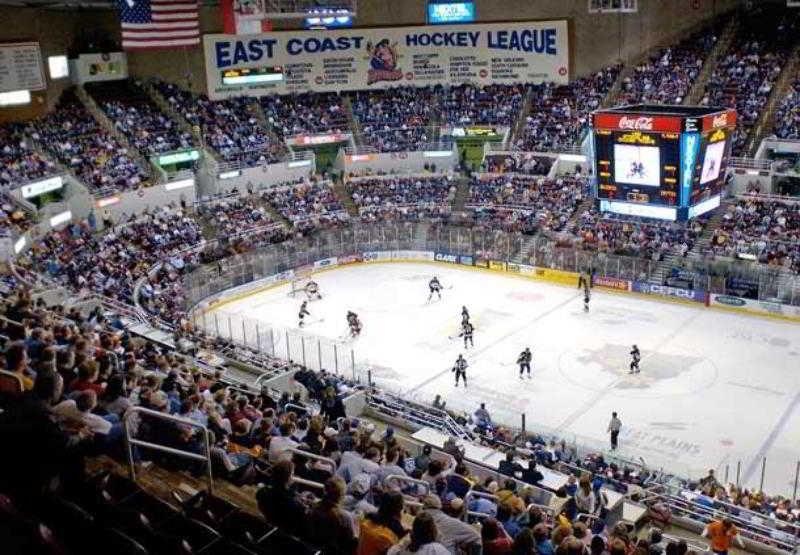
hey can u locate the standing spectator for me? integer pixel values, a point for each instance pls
(721, 533)
(381, 530)
(614, 426)
(584, 496)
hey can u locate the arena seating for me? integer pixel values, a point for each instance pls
(19, 163)
(227, 125)
(397, 119)
(668, 74)
(308, 205)
(72, 135)
(787, 115)
(138, 118)
(401, 198)
(306, 114)
(559, 115)
(466, 105)
(744, 77)
(526, 204)
(631, 236)
(767, 228)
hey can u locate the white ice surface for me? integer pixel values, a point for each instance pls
(715, 389)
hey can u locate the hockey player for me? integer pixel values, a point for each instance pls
(460, 368)
(353, 323)
(466, 333)
(312, 290)
(303, 313)
(464, 315)
(586, 299)
(636, 356)
(524, 360)
(435, 287)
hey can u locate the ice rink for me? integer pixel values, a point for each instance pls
(715, 389)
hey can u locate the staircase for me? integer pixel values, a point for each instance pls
(461, 196)
(340, 189)
(156, 174)
(257, 111)
(700, 247)
(763, 126)
(703, 242)
(165, 106)
(613, 93)
(698, 88)
(355, 126)
(522, 119)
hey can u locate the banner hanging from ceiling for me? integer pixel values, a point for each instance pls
(357, 59)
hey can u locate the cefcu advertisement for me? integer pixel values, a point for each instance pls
(354, 59)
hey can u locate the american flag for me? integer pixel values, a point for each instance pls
(154, 24)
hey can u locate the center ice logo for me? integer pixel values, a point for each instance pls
(383, 62)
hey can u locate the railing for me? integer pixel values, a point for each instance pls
(471, 494)
(412, 482)
(235, 165)
(130, 441)
(324, 460)
(750, 164)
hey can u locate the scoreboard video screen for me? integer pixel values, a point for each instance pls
(665, 162)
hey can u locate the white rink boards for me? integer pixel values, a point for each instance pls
(716, 388)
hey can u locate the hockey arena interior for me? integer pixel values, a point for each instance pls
(339, 277)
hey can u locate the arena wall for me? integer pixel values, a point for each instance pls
(596, 40)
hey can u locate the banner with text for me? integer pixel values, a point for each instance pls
(354, 59)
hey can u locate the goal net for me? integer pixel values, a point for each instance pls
(299, 284)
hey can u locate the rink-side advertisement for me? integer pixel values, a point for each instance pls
(357, 59)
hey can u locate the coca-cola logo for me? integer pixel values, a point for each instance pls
(640, 123)
(720, 120)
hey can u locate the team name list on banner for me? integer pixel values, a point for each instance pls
(357, 59)
(21, 67)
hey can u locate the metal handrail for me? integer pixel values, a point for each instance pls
(749, 529)
(702, 547)
(330, 462)
(468, 497)
(405, 479)
(131, 441)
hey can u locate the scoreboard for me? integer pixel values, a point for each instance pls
(665, 162)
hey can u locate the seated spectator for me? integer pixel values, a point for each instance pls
(421, 540)
(381, 530)
(454, 534)
(331, 527)
(494, 538)
(280, 446)
(278, 502)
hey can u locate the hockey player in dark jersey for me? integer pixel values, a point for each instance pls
(354, 323)
(303, 313)
(460, 368)
(636, 357)
(524, 360)
(466, 333)
(435, 287)
(586, 298)
(464, 315)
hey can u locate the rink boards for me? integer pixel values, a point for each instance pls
(561, 277)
